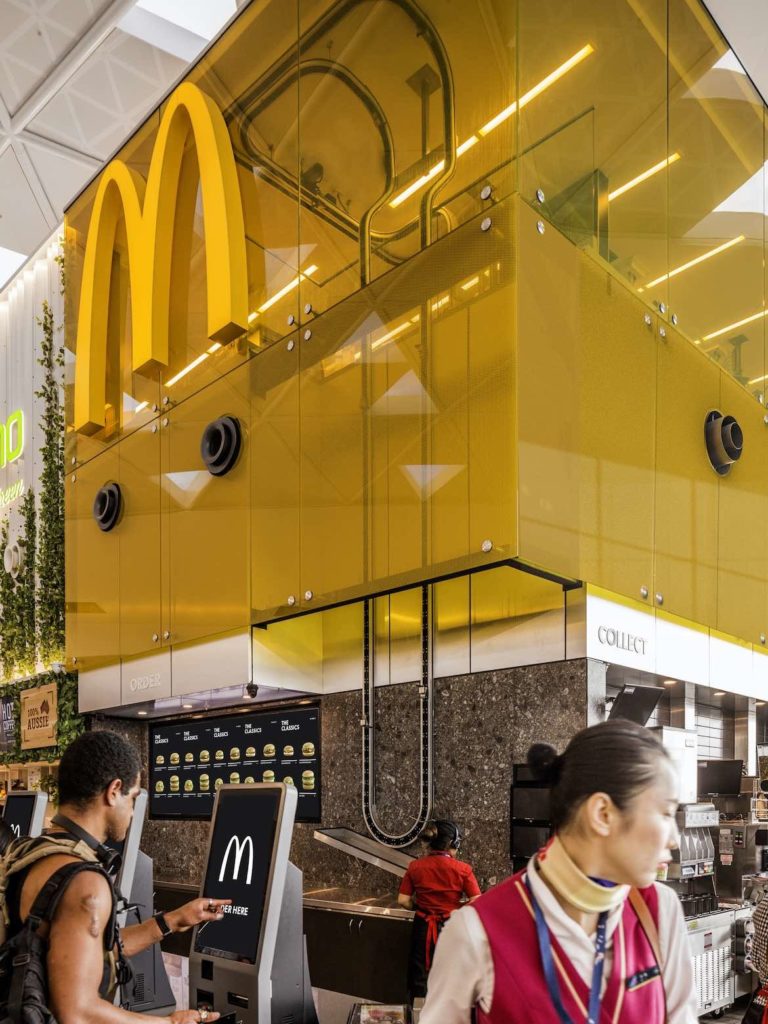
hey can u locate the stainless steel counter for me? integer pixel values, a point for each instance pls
(351, 901)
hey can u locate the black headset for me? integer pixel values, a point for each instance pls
(109, 859)
(451, 826)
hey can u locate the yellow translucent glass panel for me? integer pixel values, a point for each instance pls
(139, 537)
(716, 197)
(275, 480)
(593, 127)
(586, 360)
(686, 485)
(209, 516)
(742, 542)
(92, 566)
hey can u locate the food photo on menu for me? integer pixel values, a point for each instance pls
(191, 760)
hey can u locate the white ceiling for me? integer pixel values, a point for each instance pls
(744, 23)
(76, 78)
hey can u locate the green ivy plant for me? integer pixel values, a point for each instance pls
(25, 587)
(71, 724)
(9, 631)
(50, 549)
(32, 605)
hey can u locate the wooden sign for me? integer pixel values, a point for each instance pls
(39, 717)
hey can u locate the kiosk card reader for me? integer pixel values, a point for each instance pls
(253, 962)
(25, 812)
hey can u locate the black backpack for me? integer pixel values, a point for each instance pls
(23, 975)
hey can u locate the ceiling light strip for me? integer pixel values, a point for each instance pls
(692, 263)
(283, 292)
(643, 176)
(499, 118)
(737, 323)
(186, 370)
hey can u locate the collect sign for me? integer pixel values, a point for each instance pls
(39, 717)
(624, 641)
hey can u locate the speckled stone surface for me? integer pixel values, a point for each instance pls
(483, 724)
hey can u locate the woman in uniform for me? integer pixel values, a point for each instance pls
(584, 935)
(757, 1011)
(433, 887)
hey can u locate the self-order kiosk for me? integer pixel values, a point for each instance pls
(252, 964)
(25, 812)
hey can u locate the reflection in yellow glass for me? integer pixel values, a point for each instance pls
(539, 88)
(282, 293)
(644, 176)
(692, 263)
(186, 370)
(495, 121)
(730, 327)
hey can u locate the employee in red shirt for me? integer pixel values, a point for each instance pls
(433, 887)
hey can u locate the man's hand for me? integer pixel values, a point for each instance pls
(198, 911)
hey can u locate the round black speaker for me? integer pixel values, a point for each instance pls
(725, 441)
(221, 444)
(107, 507)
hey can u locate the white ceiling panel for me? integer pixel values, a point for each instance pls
(36, 35)
(22, 224)
(102, 104)
(61, 176)
(745, 26)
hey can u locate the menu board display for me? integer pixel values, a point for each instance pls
(189, 760)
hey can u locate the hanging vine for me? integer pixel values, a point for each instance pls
(25, 587)
(9, 633)
(50, 549)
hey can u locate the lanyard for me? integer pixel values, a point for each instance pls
(547, 960)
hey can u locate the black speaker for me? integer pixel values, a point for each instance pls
(108, 506)
(221, 444)
(725, 441)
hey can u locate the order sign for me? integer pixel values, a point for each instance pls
(39, 717)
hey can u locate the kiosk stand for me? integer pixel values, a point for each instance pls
(24, 812)
(149, 990)
(253, 963)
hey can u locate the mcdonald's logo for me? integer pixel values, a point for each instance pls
(239, 852)
(148, 210)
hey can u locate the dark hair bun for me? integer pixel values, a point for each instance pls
(545, 763)
(430, 831)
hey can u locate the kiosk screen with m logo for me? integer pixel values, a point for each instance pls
(239, 867)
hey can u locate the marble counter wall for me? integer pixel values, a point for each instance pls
(483, 724)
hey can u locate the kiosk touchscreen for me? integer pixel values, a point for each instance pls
(25, 812)
(252, 963)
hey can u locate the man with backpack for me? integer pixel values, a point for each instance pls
(63, 956)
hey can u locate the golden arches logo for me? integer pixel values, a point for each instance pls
(148, 210)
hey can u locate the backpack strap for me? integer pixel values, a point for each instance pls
(23, 853)
(43, 909)
(47, 900)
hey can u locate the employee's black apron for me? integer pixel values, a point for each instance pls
(426, 929)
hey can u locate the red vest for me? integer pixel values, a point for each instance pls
(634, 993)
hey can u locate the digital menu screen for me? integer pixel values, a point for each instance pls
(239, 867)
(189, 760)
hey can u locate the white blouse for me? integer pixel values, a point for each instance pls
(462, 970)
